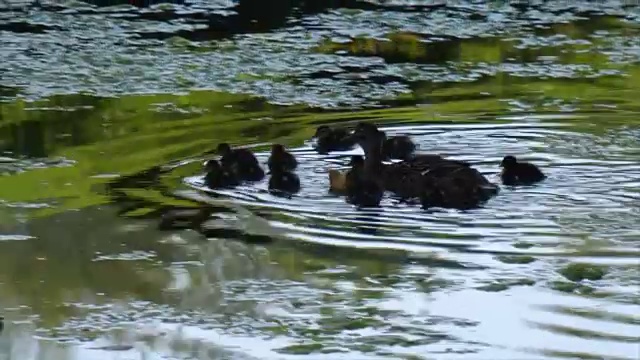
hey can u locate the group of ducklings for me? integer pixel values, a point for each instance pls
(238, 165)
(436, 181)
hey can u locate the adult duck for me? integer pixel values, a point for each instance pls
(218, 176)
(242, 162)
(362, 187)
(333, 139)
(519, 173)
(435, 180)
(356, 185)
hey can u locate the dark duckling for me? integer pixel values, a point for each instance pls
(393, 147)
(519, 173)
(281, 158)
(328, 139)
(219, 176)
(242, 161)
(283, 180)
(361, 186)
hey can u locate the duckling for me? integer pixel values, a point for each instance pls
(281, 158)
(394, 147)
(328, 139)
(242, 161)
(441, 182)
(363, 188)
(283, 180)
(219, 176)
(519, 173)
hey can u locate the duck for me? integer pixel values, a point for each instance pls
(284, 181)
(281, 159)
(393, 147)
(355, 185)
(333, 139)
(242, 161)
(434, 180)
(519, 173)
(448, 185)
(363, 188)
(219, 176)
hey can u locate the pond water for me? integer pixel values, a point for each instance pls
(94, 101)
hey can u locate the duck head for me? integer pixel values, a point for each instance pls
(212, 166)
(366, 128)
(362, 125)
(508, 161)
(277, 149)
(370, 141)
(368, 131)
(322, 130)
(224, 149)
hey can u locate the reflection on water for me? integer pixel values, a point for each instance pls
(91, 269)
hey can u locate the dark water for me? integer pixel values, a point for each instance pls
(90, 107)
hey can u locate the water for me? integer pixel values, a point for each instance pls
(87, 272)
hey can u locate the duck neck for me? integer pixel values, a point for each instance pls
(373, 157)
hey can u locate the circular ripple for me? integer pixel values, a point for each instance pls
(591, 191)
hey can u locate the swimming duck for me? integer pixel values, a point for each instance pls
(519, 173)
(355, 185)
(242, 161)
(328, 139)
(435, 180)
(283, 180)
(362, 187)
(219, 176)
(393, 147)
(449, 185)
(281, 158)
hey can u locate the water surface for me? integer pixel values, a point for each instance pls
(92, 101)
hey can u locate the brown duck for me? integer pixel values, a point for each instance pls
(435, 180)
